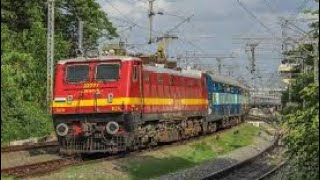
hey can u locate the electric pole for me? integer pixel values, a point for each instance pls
(316, 64)
(253, 57)
(284, 51)
(164, 42)
(80, 36)
(219, 58)
(151, 14)
(219, 65)
(50, 53)
(252, 46)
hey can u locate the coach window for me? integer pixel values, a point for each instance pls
(77, 73)
(179, 81)
(135, 73)
(214, 98)
(190, 82)
(107, 72)
(160, 79)
(218, 87)
(146, 77)
(171, 80)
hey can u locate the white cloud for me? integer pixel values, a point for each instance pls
(133, 10)
(222, 19)
(308, 17)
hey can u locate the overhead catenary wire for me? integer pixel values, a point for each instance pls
(256, 18)
(298, 10)
(179, 24)
(266, 28)
(126, 17)
(267, 3)
(192, 44)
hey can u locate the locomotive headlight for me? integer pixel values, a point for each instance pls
(112, 127)
(62, 129)
(60, 99)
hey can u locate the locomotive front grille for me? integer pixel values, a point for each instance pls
(93, 144)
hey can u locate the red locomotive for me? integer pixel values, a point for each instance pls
(112, 104)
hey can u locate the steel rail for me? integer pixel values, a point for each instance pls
(273, 171)
(8, 149)
(41, 168)
(37, 168)
(226, 171)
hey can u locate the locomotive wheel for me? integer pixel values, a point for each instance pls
(214, 127)
(135, 145)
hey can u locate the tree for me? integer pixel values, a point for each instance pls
(301, 123)
(23, 57)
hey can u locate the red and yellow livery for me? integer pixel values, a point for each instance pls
(111, 104)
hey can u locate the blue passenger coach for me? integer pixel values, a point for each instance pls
(227, 97)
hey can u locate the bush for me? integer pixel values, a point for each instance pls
(27, 120)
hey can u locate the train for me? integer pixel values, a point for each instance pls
(113, 104)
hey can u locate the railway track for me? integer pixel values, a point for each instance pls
(255, 168)
(38, 169)
(9, 149)
(272, 172)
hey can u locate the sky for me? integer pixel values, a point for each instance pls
(215, 28)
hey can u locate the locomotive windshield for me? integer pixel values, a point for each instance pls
(107, 72)
(77, 73)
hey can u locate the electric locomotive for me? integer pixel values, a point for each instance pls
(116, 103)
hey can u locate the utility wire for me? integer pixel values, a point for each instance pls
(126, 18)
(255, 17)
(192, 44)
(141, 1)
(302, 5)
(299, 32)
(174, 15)
(303, 31)
(177, 26)
(267, 3)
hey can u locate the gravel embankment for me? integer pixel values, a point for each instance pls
(224, 161)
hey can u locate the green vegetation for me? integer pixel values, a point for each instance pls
(167, 160)
(7, 178)
(301, 115)
(23, 57)
(191, 154)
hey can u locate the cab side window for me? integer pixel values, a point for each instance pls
(146, 77)
(135, 73)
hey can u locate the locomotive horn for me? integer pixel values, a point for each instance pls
(62, 129)
(112, 127)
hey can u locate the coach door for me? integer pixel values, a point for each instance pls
(136, 89)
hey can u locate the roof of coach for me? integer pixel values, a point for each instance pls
(101, 58)
(172, 71)
(129, 58)
(227, 81)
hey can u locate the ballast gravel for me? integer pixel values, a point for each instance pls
(212, 166)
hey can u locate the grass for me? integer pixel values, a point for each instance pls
(152, 164)
(7, 178)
